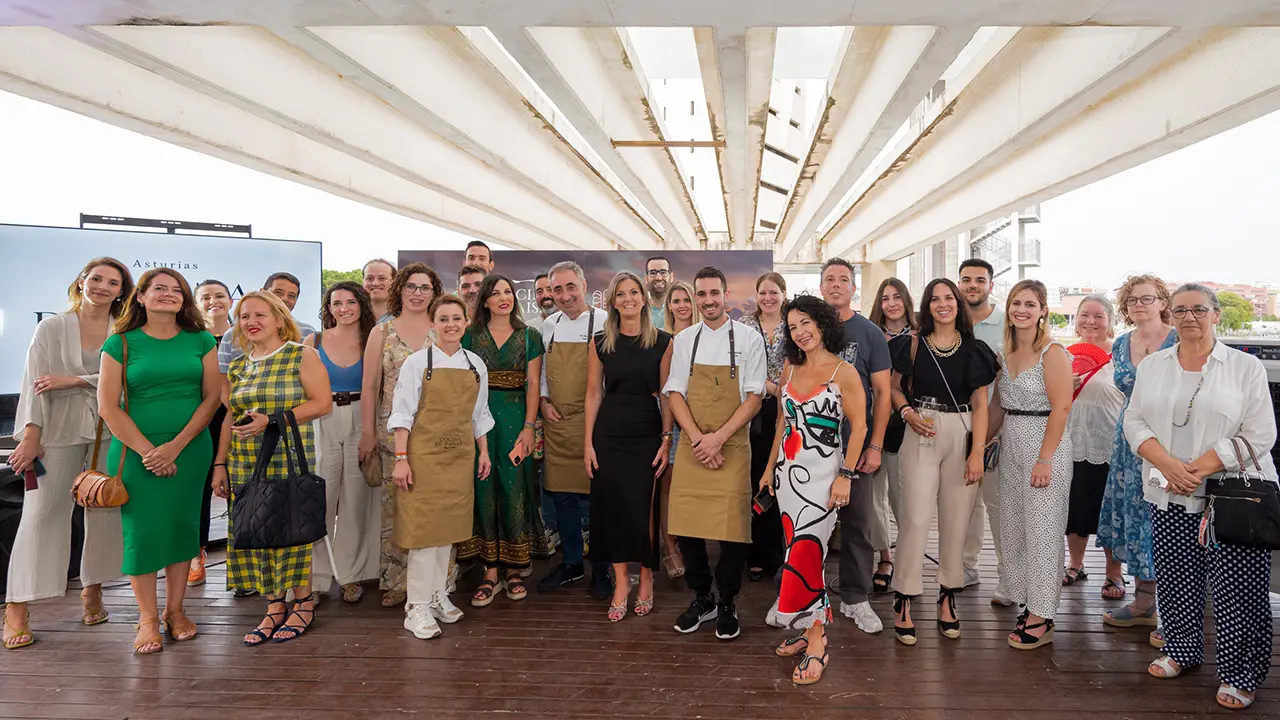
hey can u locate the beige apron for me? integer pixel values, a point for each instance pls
(563, 440)
(439, 508)
(705, 503)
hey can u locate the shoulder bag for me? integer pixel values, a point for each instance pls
(284, 512)
(95, 490)
(990, 451)
(1243, 507)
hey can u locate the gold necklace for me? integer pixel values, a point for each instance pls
(942, 352)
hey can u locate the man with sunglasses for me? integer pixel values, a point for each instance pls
(658, 277)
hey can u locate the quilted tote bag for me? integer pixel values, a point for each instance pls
(283, 512)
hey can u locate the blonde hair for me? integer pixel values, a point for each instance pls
(1162, 293)
(669, 318)
(613, 323)
(288, 330)
(75, 292)
(1042, 333)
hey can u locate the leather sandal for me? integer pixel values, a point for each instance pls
(1072, 575)
(261, 635)
(1126, 617)
(1227, 693)
(948, 628)
(516, 591)
(1022, 639)
(178, 625)
(352, 593)
(288, 632)
(880, 582)
(792, 647)
(485, 592)
(797, 676)
(91, 612)
(902, 605)
(20, 637)
(643, 607)
(675, 570)
(1115, 587)
(148, 636)
(1168, 668)
(394, 598)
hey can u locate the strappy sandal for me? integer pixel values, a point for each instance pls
(1025, 640)
(1169, 668)
(1116, 587)
(797, 676)
(880, 581)
(260, 634)
(295, 631)
(674, 571)
(352, 593)
(148, 638)
(485, 592)
(393, 598)
(516, 591)
(178, 625)
(643, 607)
(1234, 693)
(792, 647)
(92, 613)
(1125, 617)
(12, 639)
(948, 628)
(901, 605)
(1071, 576)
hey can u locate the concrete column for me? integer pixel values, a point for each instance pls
(874, 273)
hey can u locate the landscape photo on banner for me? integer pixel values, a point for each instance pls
(740, 267)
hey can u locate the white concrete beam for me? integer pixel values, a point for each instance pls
(737, 74)
(883, 75)
(1038, 82)
(52, 68)
(1224, 80)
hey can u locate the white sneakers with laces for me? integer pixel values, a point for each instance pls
(419, 620)
(863, 616)
(444, 610)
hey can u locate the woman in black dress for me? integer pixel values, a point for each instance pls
(628, 436)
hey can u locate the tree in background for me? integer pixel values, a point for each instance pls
(1236, 311)
(1057, 320)
(329, 277)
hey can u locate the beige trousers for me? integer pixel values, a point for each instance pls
(989, 504)
(353, 514)
(932, 478)
(42, 547)
(427, 574)
(885, 494)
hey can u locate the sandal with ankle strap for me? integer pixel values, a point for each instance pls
(11, 639)
(178, 625)
(1025, 640)
(1126, 617)
(92, 613)
(643, 607)
(264, 634)
(948, 628)
(516, 591)
(1112, 585)
(485, 592)
(901, 605)
(798, 678)
(880, 581)
(792, 647)
(296, 611)
(1073, 575)
(145, 638)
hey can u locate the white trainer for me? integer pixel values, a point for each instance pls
(419, 621)
(771, 618)
(444, 610)
(863, 616)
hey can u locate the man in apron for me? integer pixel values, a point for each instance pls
(715, 387)
(564, 399)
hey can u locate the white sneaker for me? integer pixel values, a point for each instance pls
(863, 616)
(771, 618)
(419, 621)
(444, 610)
(972, 577)
(1001, 596)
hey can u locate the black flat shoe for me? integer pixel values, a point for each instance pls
(901, 604)
(948, 629)
(755, 574)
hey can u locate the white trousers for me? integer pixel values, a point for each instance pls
(42, 547)
(885, 491)
(354, 511)
(428, 574)
(989, 498)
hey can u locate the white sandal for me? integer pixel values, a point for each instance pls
(1234, 693)
(1171, 669)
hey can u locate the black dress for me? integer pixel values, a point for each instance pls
(627, 435)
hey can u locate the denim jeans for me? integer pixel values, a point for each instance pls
(573, 513)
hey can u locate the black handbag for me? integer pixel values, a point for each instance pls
(285, 512)
(1243, 507)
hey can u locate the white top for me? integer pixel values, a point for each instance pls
(713, 349)
(65, 417)
(1094, 415)
(559, 327)
(1234, 401)
(404, 403)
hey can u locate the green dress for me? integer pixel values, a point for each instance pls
(506, 516)
(161, 520)
(267, 385)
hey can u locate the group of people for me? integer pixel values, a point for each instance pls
(451, 429)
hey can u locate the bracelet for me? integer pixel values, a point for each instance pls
(219, 464)
(848, 474)
(873, 446)
(902, 411)
(529, 425)
(1042, 461)
(402, 456)
(667, 435)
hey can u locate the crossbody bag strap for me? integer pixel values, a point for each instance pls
(955, 403)
(911, 379)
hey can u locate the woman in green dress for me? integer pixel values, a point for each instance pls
(165, 362)
(506, 507)
(275, 374)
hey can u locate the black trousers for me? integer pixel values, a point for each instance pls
(766, 550)
(697, 568)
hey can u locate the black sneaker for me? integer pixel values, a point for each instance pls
(601, 585)
(727, 627)
(561, 576)
(700, 610)
(245, 593)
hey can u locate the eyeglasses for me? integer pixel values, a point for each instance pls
(1199, 311)
(658, 273)
(1131, 301)
(418, 289)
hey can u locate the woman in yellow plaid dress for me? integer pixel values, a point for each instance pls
(275, 374)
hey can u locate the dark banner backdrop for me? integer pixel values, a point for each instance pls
(741, 267)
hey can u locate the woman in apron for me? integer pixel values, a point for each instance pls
(439, 418)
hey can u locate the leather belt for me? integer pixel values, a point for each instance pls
(345, 398)
(1027, 413)
(948, 409)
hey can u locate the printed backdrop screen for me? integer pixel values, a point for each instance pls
(40, 262)
(741, 267)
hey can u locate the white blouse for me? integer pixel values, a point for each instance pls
(1233, 401)
(713, 349)
(408, 393)
(1094, 416)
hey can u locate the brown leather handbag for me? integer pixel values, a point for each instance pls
(96, 490)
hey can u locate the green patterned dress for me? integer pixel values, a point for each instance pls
(506, 516)
(267, 385)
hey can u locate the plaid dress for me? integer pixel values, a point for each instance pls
(267, 385)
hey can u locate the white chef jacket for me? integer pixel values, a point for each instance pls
(559, 327)
(713, 349)
(404, 404)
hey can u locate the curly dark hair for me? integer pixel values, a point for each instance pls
(826, 318)
(395, 296)
(367, 318)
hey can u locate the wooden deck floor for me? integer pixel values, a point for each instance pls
(555, 655)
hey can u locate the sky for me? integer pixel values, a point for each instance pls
(1205, 212)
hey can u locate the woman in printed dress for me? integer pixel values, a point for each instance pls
(810, 478)
(407, 331)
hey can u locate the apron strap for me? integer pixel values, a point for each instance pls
(431, 354)
(733, 353)
(591, 329)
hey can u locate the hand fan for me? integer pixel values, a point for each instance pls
(1086, 357)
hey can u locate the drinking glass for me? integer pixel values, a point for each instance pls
(928, 409)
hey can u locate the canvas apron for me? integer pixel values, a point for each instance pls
(563, 441)
(439, 508)
(706, 503)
